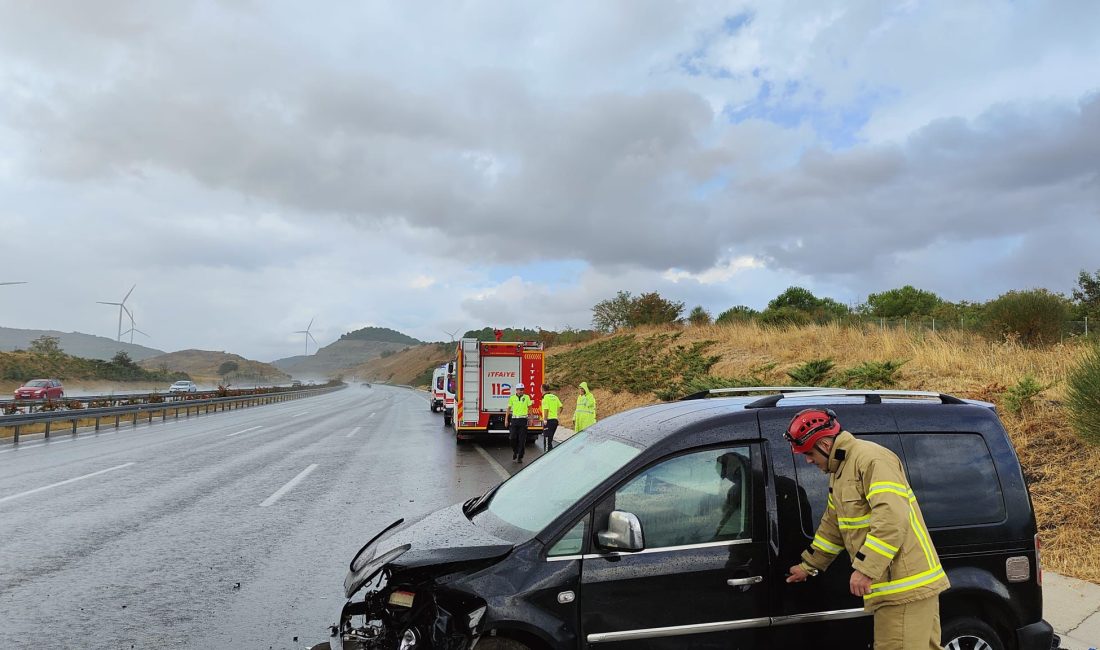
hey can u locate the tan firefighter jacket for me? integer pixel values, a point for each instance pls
(873, 514)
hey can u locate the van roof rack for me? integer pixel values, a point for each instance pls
(750, 389)
(869, 396)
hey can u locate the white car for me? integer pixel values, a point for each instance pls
(183, 386)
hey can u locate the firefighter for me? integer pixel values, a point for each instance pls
(550, 405)
(872, 513)
(585, 414)
(516, 421)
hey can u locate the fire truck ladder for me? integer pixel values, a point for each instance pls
(471, 380)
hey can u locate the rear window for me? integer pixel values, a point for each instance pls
(951, 464)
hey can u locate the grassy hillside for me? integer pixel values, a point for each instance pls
(204, 364)
(647, 365)
(337, 358)
(411, 366)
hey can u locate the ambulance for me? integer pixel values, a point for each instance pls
(486, 373)
(438, 389)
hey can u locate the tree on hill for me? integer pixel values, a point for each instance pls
(380, 334)
(228, 367)
(508, 334)
(903, 302)
(699, 316)
(1087, 294)
(1035, 316)
(47, 346)
(651, 309)
(625, 310)
(612, 314)
(737, 314)
(799, 306)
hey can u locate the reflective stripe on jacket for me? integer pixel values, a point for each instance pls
(585, 414)
(872, 513)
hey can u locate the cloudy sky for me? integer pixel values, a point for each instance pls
(440, 166)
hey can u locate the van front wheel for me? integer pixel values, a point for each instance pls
(969, 633)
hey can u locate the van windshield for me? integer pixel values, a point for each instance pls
(544, 490)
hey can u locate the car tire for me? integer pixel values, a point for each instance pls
(500, 643)
(968, 633)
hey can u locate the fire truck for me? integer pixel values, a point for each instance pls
(486, 374)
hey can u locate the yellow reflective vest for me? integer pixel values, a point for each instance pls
(550, 406)
(585, 414)
(873, 514)
(518, 405)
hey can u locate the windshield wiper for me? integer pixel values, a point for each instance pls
(473, 505)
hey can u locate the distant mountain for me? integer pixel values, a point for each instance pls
(379, 334)
(352, 349)
(75, 344)
(207, 364)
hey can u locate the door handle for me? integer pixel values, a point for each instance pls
(741, 582)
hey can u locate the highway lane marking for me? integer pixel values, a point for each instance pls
(372, 415)
(245, 431)
(288, 487)
(297, 414)
(65, 482)
(493, 462)
(354, 431)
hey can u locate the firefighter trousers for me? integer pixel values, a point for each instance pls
(909, 626)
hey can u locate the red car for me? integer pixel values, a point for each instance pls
(40, 389)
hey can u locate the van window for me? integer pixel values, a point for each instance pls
(572, 542)
(950, 462)
(692, 499)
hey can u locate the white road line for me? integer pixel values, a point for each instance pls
(354, 431)
(65, 482)
(288, 487)
(493, 462)
(372, 415)
(298, 414)
(244, 431)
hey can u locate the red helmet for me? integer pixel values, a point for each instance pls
(810, 425)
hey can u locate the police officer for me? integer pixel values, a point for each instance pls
(873, 514)
(516, 421)
(550, 405)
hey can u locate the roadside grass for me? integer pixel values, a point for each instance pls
(627, 370)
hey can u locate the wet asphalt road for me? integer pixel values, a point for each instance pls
(229, 530)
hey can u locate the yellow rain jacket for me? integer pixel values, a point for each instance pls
(873, 514)
(585, 414)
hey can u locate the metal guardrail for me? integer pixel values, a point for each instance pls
(118, 399)
(134, 412)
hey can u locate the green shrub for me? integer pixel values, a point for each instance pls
(871, 375)
(699, 316)
(1018, 398)
(1083, 397)
(706, 382)
(738, 314)
(811, 373)
(1035, 316)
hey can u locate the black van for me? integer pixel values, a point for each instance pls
(672, 527)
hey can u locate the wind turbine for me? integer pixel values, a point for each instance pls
(5, 283)
(308, 335)
(121, 308)
(451, 334)
(133, 328)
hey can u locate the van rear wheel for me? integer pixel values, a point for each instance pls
(968, 633)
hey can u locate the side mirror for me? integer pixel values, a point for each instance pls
(624, 532)
(451, 368)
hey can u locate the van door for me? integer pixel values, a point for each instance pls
(819, 613)
(700, 582)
